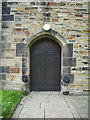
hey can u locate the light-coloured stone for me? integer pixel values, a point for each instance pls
(10, 77)
(34, 107)
(58, 112)
(38, 99)
(32, 113)
(7, 62)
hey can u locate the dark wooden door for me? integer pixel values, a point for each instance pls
(45, 65)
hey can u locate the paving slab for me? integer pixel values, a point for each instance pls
(19, 107)
(57, 100)
(78, 118)
(38, 94)
(38, 99)
(58, 112)
(76, 115)
(87, 98)
(46, 105)
(54, 105)
(80, 104)
(84, 115)
(55, 94)
(17, 112)
(82, 110)
(32, 105)
(32, 113)
(71, 107)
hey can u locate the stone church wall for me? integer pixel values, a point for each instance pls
(21, 19)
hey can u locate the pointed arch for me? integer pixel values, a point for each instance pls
(50, 34)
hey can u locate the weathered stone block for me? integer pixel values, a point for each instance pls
(76, 46)
(41, 3)
(23, 64)
(7, 17)
(32, 3)
(83, 52)
(5, 69)
(67, 30)
(26, 32)
(0, 69)
(24, 60)
(28, 8)
(17, 30)
(24, 70)
(47, 14)
(86, 68)
(12, 3)
(78, 35)
(6, 10)
(17, 40)
(55, 20)
(52, 3)
(66, 69)
(69, 76)
(1, 55)
(79, 4)
(18, 25)
(9, 57)
(75, 69)
(69, 61)
(15, 70)
(76, 29)
(9, 54)
(82, 9)
(86, 63)
(2, 76)
(46, 9)
(79, 15)
(9, 49)
(46, 19)
(68, 50)
(66, 19)
(20, 8)
(20, 49)
(61, 3)
(4, 25)
(4, 3)
(71, 37)
(10, 77)
(3, 38)
(86, 31)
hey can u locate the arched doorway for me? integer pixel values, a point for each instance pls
(45, 65)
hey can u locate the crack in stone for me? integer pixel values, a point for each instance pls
(40, 105)
(48, 100)
(44, 113)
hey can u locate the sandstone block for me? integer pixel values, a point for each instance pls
(10, 77)
(15, 70)
(55, 20)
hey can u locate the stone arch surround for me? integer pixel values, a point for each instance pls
(51, 34)
(67, 59)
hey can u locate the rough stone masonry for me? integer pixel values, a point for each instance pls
(21, 20)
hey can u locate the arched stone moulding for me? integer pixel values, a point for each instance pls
(51, 34)
(57, 37)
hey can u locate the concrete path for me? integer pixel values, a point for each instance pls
(52, 105)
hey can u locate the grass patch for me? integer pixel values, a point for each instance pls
(8, 102)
